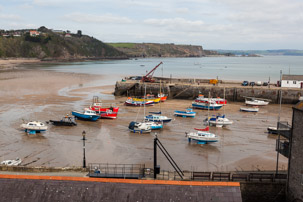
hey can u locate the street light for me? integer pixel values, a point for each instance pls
(84, 161)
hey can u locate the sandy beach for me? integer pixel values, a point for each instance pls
(43, 95)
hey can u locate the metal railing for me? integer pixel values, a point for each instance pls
(106, 170)
(282, 147)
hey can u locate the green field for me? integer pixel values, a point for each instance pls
(122, 45)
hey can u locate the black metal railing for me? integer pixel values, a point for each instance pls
(105, 170)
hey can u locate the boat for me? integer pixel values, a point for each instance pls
(212, 105)
(218, 100)
(103, 111)
(147, 98)
(131, 102)
(249, 109)
(139, 127)
(256, 101)
(219, 121)
(202, 137)
(163, 97)
(187, 113)
(87, 114)
(34, 126)
(15, 162)
(157, 118)
(65, 121)
(154, 125)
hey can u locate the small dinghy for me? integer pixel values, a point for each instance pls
(11, 162)
(249, 109)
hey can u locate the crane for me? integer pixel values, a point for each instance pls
(149, 76)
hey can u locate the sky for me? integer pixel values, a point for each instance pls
(213, 24)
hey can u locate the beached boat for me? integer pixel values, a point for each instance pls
(256, 102)
(202, 137)
(87, 114)
(15, 162)
(249, 109)
(104, 111)
(34, 126)
(163, 97)
(147, 98)
(157, 118)
(131, 102)
(154, 125)
(207, 105)
(219, 121)
(218, 100)
(65, 121)
(139, 127)
(187, 113)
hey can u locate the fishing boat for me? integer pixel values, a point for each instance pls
(87, 114)
(163, 97)
(15, 162)
(34, 126)
(218, 100)
(187, 113)
(219, 121)
(105, 111)
(147, 98)
(249, 109)
(202, 137)
(131, 102)
(157, 118)
(65, 121)
(212, 105)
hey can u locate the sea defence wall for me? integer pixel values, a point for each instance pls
(191, 88)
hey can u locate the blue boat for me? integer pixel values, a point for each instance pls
(188, 113)
(87, 114)
(210, 105)
(154, 125)
(157, 118)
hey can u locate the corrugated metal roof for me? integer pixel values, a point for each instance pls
(292, 77)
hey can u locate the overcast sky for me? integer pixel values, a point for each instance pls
(214, 24)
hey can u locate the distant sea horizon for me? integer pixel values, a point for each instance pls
(263, 68)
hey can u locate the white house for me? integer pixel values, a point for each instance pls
(292, 81)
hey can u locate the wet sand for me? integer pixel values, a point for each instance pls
(43, 95)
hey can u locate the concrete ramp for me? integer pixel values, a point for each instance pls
(55, 188)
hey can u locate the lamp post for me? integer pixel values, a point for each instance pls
(83, 138)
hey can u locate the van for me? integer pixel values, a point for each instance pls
(259, 83)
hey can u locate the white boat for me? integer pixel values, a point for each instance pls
(249, 109)
(139, 127)
(154, 125)
(157, 118)
(256, 102)
(219, 121)
(202, 137)
(11, 162)
(34, 126)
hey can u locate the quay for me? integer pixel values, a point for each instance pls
(191, 88)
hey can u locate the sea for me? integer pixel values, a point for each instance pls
(265, 68)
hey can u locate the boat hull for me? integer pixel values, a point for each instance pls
(249, 109)
(82, 116)
(206, 106)
(185, 114)
(138, 104)
(63, 123)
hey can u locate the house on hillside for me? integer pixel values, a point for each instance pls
(34, 33)
(292, 81)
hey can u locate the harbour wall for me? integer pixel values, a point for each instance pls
(190, 89)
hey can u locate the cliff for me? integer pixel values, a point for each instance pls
(159, 50)
(54, 44)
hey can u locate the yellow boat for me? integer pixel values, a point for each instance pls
(156, 100)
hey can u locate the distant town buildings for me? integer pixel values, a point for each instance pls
(34, 33)
(292, 81)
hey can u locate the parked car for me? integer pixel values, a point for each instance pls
(259, 83)
(265, 83)
(252, 83)
(245, 83)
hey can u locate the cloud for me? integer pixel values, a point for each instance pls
(175, 23)
(89, 18)
(10, 17)
(182, 10)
